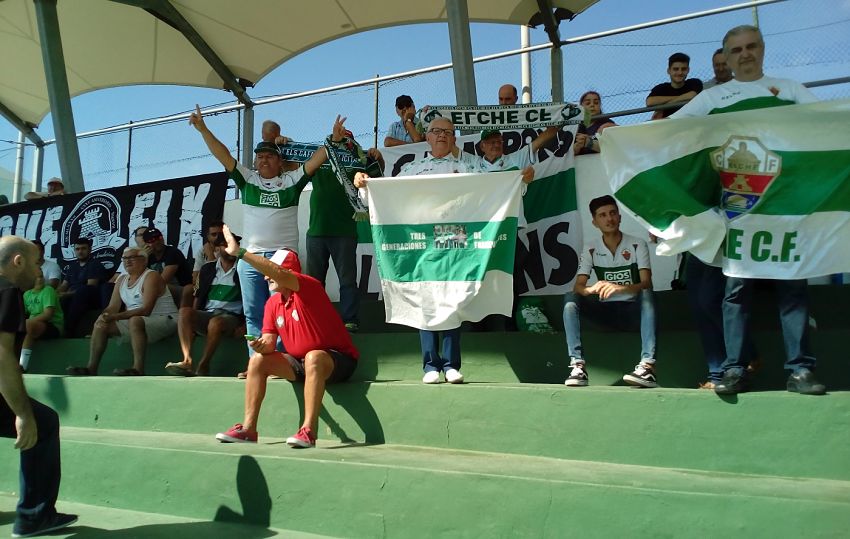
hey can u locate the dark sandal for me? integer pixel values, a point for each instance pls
(78, 371)
(126, 372)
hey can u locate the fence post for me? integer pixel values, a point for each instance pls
(377, 102)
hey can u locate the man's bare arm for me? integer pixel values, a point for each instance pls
(215, 146)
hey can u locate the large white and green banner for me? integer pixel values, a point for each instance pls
(765, 193)
(444, 246)
(551, 238)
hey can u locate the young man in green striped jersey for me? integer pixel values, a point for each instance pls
(622, 293)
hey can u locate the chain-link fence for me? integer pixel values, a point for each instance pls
(805, 41)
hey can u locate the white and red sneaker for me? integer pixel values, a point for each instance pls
(237, 434)
(304, 438)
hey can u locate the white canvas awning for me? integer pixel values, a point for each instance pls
(115, 43)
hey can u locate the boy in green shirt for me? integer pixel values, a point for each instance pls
(46, 319)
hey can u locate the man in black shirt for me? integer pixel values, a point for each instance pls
(80, 287)
(680, 87)
(168, 261)
(34, 426)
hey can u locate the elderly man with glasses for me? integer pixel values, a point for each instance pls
(445, 158)
(149, 315)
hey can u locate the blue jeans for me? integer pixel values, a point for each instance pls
(40, 466)
(343, 251)
(793, 314)
(450, 358)
(255, 293)
(620, 314)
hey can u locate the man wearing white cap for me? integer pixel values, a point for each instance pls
(55, 187)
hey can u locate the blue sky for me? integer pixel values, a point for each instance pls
(806, 40)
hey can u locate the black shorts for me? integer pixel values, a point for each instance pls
(50, 331)
(344, 366)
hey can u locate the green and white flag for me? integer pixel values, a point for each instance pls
(765, 193)
(444, 245)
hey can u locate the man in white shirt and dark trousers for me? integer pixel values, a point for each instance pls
(622, 294)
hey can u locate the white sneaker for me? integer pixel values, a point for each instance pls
(431, 377)
(453, 376)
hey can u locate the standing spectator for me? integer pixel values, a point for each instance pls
(269, 207)
(55, 187)
(217, 311)
(407, 129)
(49, 268)
(34, 426)
(508, 94)
(319, 349)
(622, 295)
(680, 87)
(148, 315)
(751, 88)
(722, 73)
(46, 320)
(445, 158)
(333, 232)
(80, 288)
(586, 136)
(168, 261)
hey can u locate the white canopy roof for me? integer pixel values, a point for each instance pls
(115, 43)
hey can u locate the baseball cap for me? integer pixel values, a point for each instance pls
(269, 147)
(487, 133)
(55, 180)
(151, 235)
(287, 259)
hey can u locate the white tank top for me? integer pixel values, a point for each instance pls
(132, 296)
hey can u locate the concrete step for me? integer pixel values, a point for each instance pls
(360, 490)
(108, 522)
(769, 433)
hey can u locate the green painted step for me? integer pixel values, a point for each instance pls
(107, 522)
(494, 357)
(403, 491)
(768, 433)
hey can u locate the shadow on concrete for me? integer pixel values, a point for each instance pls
(352, 397)
(206, 530)
(7, 517)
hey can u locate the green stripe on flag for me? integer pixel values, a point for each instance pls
(551, 196)
(753, 103)
(809, 182)
(444, 251)
(662, 194)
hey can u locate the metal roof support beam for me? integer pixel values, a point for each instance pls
(166, 12)
(37, 168)
(19, 169)
(25, 127)
(248, 137)
(461, 46)
(59, 96)
(556, 58)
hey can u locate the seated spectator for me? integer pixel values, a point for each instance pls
(217, 311)
(319, 350)
(49, 268)
(138, 239)
(680, 88)
(208, 253)
(55, 187)
(722, 73)
(407, 129)
(586, 136)
(80, 287)
(149, 315)
(45, 321)
(622, 295)
(508, 94)
(168, 261)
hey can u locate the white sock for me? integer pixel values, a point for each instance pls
(25, 358)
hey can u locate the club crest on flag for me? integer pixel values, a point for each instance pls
(746, 168)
